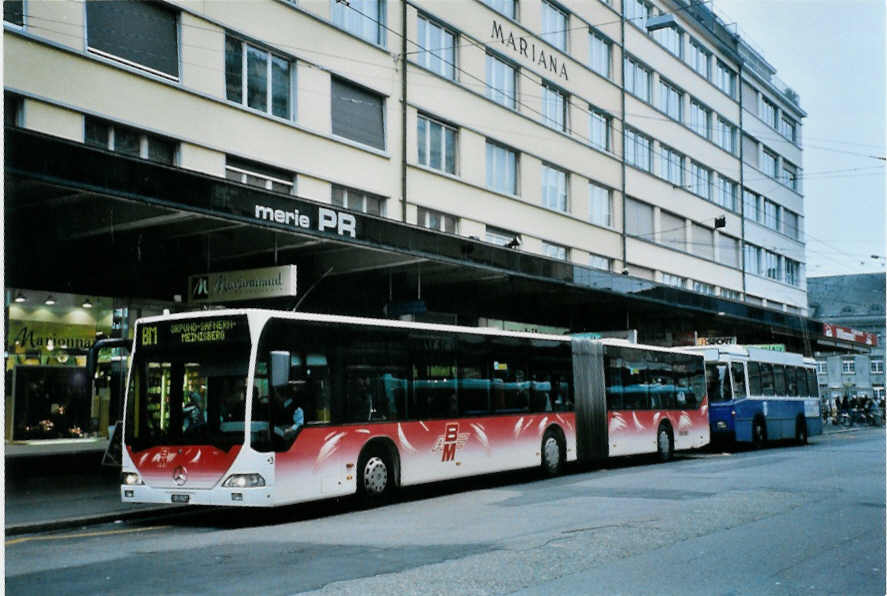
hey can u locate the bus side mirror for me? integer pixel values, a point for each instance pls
(280, 368)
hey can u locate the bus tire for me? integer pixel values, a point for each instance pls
(664, 443)
(758, 434)
(801, 432)
(375, 476)
(552, 453)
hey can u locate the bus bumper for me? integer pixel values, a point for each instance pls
(245, 497)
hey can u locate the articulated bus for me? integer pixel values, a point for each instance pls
(264, 408)
(759, 395)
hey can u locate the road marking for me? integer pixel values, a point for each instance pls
(83, 535)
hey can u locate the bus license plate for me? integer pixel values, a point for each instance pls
(180, 498)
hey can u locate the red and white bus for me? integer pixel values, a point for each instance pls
(266, 408)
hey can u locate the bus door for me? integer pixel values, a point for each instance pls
(720, 396)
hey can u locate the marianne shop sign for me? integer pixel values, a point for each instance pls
(248, 284)
(529, 50)
(848, 334)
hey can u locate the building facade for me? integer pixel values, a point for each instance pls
(637, 151)
(851, 302)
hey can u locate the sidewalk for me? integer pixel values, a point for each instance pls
(53, 489)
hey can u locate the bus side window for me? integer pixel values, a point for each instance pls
(803, 389)
(791, 381)
(738, 370)
(812, 383)
(766, 378)
(779, 379)
(613, 372)
(754, 378)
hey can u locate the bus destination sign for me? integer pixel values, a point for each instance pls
(198, 331)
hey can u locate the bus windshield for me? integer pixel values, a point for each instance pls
(187, 387)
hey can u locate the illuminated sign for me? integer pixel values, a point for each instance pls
(715, 341)
(848, 334)
(192, 332)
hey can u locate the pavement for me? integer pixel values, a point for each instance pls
(66, 486)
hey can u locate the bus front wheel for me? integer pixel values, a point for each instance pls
(552, 453)
(758, 434)
(375, 479)
(664, 443)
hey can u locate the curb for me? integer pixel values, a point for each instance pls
(91, 520)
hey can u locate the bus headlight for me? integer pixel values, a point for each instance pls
(130, 479)
(244, 481)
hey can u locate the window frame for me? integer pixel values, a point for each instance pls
(340, 8)
(514, 156)
(493, 60)
(595, 58)
(271, 175)
(608, 200)
(445, 128)
(365, 197)
(425, 57)
(145, 138)
(563, 193)
(269, 78)
(551, 91)
(554, 9)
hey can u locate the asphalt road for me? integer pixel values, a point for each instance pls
(785, 520)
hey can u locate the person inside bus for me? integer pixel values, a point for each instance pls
(192, 415)
(233, 406)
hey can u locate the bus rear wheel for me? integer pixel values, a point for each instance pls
(664, 443)
(375, 478)
(552, 453)
(758, 434)
(801, 432)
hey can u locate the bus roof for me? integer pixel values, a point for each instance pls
(741, 352)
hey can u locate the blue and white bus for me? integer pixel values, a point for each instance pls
(758, 395)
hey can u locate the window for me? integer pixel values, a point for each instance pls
(554, 107)
(599, 262)
(792, 272)
(555, 251)
(725, 79)
(501, 169)
(753, 259)
(600, 205)
(257, 78)
(750, 150)
(726, 193)
(791, 225)
(599, 131)
(789, 129)
(670, 100)
(672, 165)
(878, 367)
(600, 54)
(258, 175)
(637, 79)
(848, 366)
(138, 33)
(771, 214)
(672, 39)
(638, 219)
(437, 145)
(14, 12)
(128, 141)
(637, 12)
(771, 262)
(439, 48)
(363, 18)
(728, 251)
(768, 112)
(357, 114)
(703, 288)
(790, 175)
(675, 281)
(672, 231)
(821, 367)
(703, 242)
(554, 188)
(501, 78)
(554, 25)
(698, 58)
(700, 119)
(700, 180)
(638, 150)
(436, 220)
(731, 294)
(753, 210)
(506, 7)
(499, 236)
(358, 200)
(768, 163)
(726, 136)
(13, 108)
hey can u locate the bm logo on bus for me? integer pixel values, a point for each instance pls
(449, 441)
